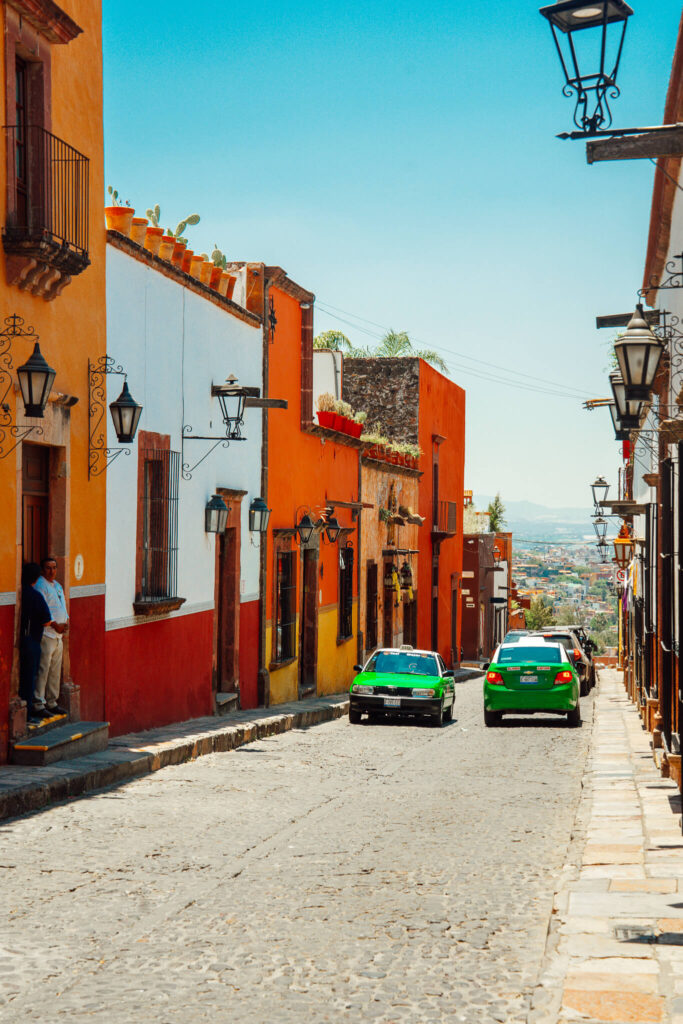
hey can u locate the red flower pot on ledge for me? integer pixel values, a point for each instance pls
(326, 419)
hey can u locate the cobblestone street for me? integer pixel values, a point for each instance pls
(342, 873)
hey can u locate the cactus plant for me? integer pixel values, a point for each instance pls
(115, 197)
(219, 258)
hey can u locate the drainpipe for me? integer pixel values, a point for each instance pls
(263, 674)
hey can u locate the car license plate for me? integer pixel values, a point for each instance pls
(392, 702)
(528, 679)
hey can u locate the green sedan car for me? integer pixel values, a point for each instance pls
(531, 676)
(403, 681)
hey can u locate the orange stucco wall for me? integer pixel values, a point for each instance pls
(304, 472)
(442, 414)
(71, 328)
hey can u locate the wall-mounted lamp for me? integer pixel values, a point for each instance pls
(406, 576)
(333, 529)
(35, 381)
(623, 548)
(305, 528)
(125, 414)
(232, 399)
(326, 524)
(599, 489)
(216, 515)
(638, 352)
(259, 514)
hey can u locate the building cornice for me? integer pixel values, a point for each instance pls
(48, 19)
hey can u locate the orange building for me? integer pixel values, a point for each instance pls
(52, 287)
(309, 577)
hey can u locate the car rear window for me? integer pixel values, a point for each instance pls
(519, 654)
(403, 662)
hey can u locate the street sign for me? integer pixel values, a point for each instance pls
(622, 576)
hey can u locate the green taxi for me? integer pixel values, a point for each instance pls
(531, 675)
(402, 681)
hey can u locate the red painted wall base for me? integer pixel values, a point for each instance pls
(249, 641)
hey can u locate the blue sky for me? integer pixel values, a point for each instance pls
(400, 161)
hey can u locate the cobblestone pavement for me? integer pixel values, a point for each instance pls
(342, 873)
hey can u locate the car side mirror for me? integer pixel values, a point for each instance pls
(357, 668)
(449, 674)
(485, 668)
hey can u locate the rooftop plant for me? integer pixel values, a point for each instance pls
(115, 197)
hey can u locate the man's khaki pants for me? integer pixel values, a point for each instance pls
(48, 679)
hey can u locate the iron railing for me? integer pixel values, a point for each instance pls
(48, 196)
(446, 517)
(161, 477)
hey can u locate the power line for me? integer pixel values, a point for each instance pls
(561, 392)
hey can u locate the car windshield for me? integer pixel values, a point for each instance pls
(520, 654)
(404, 662)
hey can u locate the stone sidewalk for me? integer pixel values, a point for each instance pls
(24, 788)
(615, 946)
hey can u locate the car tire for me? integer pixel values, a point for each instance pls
(574, 717)
(584, 688)
(437, 719)
(354, 716)
(448, 714)
(491, 718)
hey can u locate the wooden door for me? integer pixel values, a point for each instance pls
(308, 640)
(228, 598)
(35, 501)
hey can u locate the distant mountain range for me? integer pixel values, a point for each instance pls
(529, 521)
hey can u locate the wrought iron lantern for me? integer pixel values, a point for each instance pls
(389, 571)
(259, 514)
(620, 433)
(305, 528)
(638, 353)
(406, 576)
(332, 529)
(600, 527)
(125, 412)
(628, 410)
(496, 556)
(593, 85)
(623, 548)
(35, 381)
(599, 488)
(216, 515)
(232, 397)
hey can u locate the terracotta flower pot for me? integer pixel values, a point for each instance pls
(338, 424)
(371, 452)
(196, 265)
(205, 272)
(356, 429)
(153, 238)
(215, 278)
(187, 260)
(166, 247)
(326, 419)
(178, 253)
(119, 218)
(232, 281)
(138, 229)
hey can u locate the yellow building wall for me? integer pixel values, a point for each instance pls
(335, 661)
(284, 682)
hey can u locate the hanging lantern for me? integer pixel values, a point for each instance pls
(305, 528)
(599, 488)
(259, 514)
(35, 381)
(628, 410)
(638, 353)
(125, 412)
(620, 434)
(389, 573)
(623, 548)
(332, 529)
(600, 526)
(216, 515)
(406, 575)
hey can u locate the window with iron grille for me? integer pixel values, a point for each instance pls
(285, 607)
(159, 524)
(345, 628)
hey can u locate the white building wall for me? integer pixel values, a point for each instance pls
(327, 373)
(174, 344)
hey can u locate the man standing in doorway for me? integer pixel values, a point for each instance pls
(49, 675)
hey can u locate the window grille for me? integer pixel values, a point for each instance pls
(160, 482)
(285, 607)
(345, 593)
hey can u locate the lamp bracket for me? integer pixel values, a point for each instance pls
(14, 328)
(99, 455)
(189, 436)
(674, 278)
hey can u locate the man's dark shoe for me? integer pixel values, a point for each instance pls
(56, 710)
(42, 713)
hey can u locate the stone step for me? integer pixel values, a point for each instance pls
(60, 744)
(43, 726)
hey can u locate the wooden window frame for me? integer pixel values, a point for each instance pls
(345, 594)
(283, 547)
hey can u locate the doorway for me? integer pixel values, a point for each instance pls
(388, 612)
(228, 584)
(308, 640)
(35, 501)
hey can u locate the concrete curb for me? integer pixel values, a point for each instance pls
(25, 789)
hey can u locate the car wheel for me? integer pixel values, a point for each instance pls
(574, 717)
(437, 719)
(491, 718)
(448, 714)
(354, 716)
(584, 689)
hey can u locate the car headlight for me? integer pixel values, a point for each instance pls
(423, 693)
(363, 689)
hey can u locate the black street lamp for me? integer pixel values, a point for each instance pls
(638, 353)
(259, 514)
(332, 529)
(305, 528)
(35, 381)
(620, 433)
(567, 18)
(125, 412)
(600, 527)
(232, 397)
(628, 410)
(599, 489)
(216, 515)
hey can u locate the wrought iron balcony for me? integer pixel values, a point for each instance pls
(47, 200)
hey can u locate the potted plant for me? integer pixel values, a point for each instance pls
(138, 229)
(358, 421)
(325, 406)
(344, 412)
(171, 243)
(118, 216)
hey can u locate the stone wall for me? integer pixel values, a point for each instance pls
(388, 390)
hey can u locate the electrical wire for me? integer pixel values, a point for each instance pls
(556, 389)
